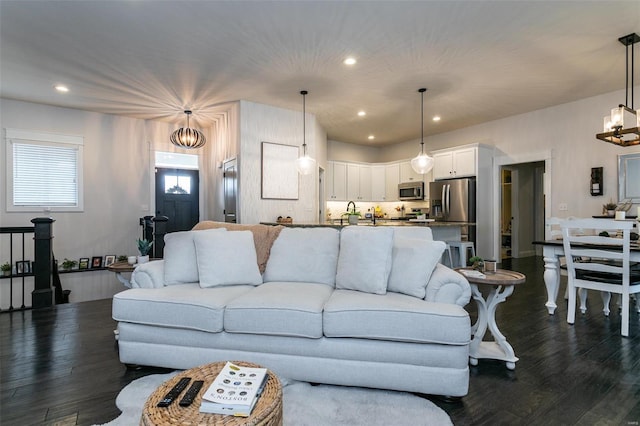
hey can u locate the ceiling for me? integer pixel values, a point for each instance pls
(480, 60)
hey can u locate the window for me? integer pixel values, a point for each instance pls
(44, 171)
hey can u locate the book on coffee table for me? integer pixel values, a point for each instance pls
(234, 391)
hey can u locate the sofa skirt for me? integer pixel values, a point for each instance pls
(429, 368)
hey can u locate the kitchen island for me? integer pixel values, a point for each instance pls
(442, 231)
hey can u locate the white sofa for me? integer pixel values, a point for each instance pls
(363, 306)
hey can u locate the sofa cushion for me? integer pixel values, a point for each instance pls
(181, 265)
(417, 232)
(364, 262)
(279, 308)
(304, 255)
(395, 317)
(184, 306)
(413, 262)
(226, 258)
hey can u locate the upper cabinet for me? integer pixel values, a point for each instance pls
(336, 181)
(378, 184)
(358, 182)
(407, 174)
(455, 163)
(391, 181)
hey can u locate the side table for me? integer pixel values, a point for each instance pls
(501, 283)
(119, 268)
(267, 411)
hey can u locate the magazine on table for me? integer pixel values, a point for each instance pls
(234, 391)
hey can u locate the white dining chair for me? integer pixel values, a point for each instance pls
(608, 269)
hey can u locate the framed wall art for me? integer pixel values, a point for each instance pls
(279, 173)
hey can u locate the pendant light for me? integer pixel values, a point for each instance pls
(305, 164)
(624, 115)
(188, 138)
(422, 163)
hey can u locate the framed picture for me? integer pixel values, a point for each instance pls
(279, 173)
(96, 262)
(83, 263)
(23, 267)
(109, 259)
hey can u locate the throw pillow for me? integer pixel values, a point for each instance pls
(413, 263)
(304, 255)
(180, 264)
(227, 258)
(364, 262)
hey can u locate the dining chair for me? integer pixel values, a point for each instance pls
(608, 268)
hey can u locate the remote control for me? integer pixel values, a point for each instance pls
(174, 392)
(188, 397)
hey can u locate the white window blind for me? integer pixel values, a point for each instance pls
(44, 171)
(45, 175)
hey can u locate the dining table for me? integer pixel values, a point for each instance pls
(552, 251)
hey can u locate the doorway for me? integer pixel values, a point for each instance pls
(521, 208)
(177, 197)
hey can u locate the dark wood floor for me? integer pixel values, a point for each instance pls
(60, 366)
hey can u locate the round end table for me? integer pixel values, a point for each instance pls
(501, 285)
(267, 411)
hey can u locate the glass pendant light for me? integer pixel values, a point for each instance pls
(305, 164)
(422, 163)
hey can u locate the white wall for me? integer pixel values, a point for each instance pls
(263, 123)
(350, 152)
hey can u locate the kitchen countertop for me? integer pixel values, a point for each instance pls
(382, 222)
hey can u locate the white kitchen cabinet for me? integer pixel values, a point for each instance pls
(336, 181)
(378, 184)
(407, 174)
(455, 163)
(358, 182)
(391, 181)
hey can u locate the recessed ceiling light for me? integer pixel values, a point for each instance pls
(371, 137)
(350, 61)
(361, 113)
(61, 88)
(436, 118)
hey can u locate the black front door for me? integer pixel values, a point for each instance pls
(177, 197)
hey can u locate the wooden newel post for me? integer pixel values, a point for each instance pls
(159, 230)
(42, 295)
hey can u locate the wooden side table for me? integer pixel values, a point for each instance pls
(119, 268)
(267, 411)
(501, 283)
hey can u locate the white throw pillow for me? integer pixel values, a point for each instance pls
(304, 255)
(227, 258)
(364, 262)
(413, 263)
(180, 263)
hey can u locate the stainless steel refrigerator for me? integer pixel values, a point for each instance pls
(454, 200)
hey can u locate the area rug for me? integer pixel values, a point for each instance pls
(306, 405)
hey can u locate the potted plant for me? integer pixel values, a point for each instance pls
(122, 258)
(68, 265)
(610, 208)
(477, 263)
(144, 247)
(6, 269)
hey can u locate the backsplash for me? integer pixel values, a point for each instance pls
(392, 209)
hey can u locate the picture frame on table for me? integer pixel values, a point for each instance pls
(83, 263)
(96, 262)
(23, 267)
(109, 259)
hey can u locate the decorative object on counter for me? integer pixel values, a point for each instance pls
(83, 263)
(287, 219)
(144, 247)
(6, 269)
(68, 264)
(609, 208)
(616, 127)
(477, 263)
(305, 164)
(422, 163)
(188, 138)
(352, 214)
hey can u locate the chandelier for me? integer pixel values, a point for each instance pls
(624, 115)
(188, 138)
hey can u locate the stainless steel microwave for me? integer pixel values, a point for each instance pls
(411, 191)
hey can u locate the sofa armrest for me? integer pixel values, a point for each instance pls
(148, 275)
(448, 286)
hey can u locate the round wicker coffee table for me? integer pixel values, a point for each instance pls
(267, 411)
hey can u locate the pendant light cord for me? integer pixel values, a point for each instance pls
(422, 119)
(304, 122)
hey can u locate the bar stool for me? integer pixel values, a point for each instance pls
(463, 248)
(446, 257)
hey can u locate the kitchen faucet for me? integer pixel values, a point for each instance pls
(354, 206)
